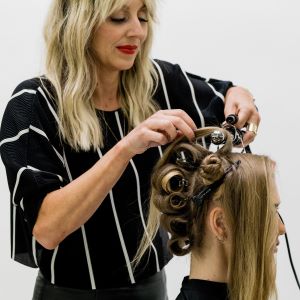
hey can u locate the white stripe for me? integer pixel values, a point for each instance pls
(13, 250)
(88, 257)
(215, 91)
(162, 79)
(139, 195)
(14, 138)
(21, 170)
(123, 245)
(22, 204)
(38, 170)
(141, 213)
(24, 131)
(34, 250)
(39, 131)
(49, 105)
(23, 92)
(195, 103)
(52, 265)
(53, 113)
(17, 184)
(86, 247)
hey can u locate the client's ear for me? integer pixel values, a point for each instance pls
(217, 223)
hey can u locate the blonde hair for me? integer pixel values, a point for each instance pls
(245, 195)
(71, 67)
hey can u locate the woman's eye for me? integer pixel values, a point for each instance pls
(117, 20)
(142, 19)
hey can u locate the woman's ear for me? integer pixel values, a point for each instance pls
(217, 223)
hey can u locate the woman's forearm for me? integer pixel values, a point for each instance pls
(65, 210)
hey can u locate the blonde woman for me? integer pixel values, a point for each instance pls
(79, 144)
(222, 208)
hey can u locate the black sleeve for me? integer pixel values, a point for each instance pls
(212, 92)
(184, 88)
(33, 162)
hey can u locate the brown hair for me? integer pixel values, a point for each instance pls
(245, 195)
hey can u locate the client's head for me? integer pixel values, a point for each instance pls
(222, 206)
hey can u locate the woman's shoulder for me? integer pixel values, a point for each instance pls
(31, 100)
(30, 90)
(167, 67)
(32, 86)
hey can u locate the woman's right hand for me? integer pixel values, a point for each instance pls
(159, 129)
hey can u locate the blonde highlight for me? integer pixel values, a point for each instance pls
(71, 67)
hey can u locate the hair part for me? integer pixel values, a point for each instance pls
(71, 67)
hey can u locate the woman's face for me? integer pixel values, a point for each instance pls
(119, 39)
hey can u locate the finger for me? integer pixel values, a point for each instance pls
(181, 114)
(248, 137)
(164, 132)
(140, 140)
(246, 115)
(156, 138)
(230, 109)
(164, 126)
(170, 124)
(183, 127)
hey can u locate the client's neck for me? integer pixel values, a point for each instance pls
(210, 265)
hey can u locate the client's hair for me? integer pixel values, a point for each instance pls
(245, 196)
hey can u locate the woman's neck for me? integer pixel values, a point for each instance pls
(106, 93)
(212, 265)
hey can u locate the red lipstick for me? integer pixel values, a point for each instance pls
(128, 49)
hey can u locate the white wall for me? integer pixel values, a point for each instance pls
(255, 44)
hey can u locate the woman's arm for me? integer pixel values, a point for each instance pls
(63, 211)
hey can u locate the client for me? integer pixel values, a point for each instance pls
(221, 207)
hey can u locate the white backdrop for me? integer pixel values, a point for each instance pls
(255, 44)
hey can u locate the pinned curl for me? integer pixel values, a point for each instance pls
(212, 168)
(174, 181)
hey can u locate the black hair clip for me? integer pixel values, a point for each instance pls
(208, 190)
(237, 134)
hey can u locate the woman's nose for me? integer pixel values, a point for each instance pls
(281, 227)
(137, 29)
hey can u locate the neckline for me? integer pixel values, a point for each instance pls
(108, 111)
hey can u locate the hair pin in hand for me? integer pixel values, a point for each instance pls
(232, 119)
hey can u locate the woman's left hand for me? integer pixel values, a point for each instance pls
(240, 101)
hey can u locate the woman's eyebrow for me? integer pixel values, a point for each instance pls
(143, 8)
(126, 8)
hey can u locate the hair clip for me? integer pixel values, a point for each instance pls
(183, 161)
(237, 134)
(208, 190)
(218, 137)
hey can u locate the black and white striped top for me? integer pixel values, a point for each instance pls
(98, 254)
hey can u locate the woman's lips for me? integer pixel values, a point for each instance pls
(128, 49)
(276, 246)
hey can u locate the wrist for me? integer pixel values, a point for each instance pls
(124, 150)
